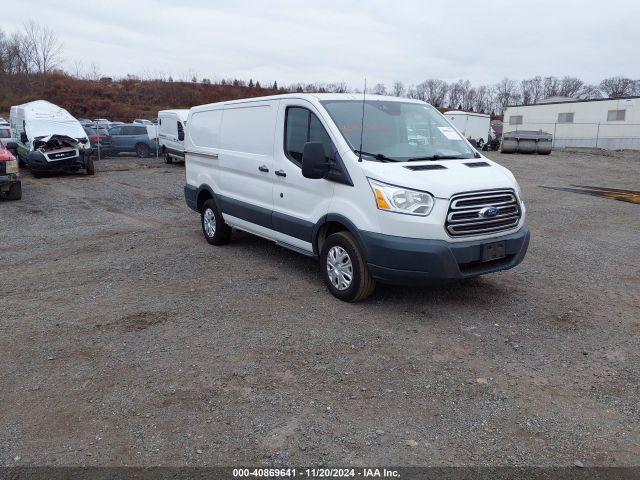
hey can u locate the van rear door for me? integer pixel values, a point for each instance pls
(246, 164)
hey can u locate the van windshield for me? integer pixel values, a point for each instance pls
(397, 131)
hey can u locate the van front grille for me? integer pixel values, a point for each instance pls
(479, 213)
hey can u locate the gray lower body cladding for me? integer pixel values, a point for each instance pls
(393, 259)
(401, 260)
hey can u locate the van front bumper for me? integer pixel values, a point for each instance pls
(408, 261)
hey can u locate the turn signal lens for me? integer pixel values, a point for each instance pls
(382, 202)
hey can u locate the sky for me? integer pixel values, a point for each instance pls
(342, 41)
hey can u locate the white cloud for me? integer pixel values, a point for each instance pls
(291, 41)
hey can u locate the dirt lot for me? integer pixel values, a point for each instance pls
(127, 339)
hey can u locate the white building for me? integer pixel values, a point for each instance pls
(603, 123)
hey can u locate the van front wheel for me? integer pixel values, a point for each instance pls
(215, 230)
(344, 269)
(89, 166)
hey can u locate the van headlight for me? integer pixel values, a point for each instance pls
(401, 200)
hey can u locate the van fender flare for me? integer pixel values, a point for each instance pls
(336, 217)
(206, 188)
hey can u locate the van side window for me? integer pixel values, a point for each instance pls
(180, 129)
(302, 126)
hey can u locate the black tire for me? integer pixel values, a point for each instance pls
(221, 232)
(168, 159)
(362, 283)
(15, 192)
(142, 150)
(89, 166)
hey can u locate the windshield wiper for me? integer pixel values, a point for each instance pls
(377, 156)
(437, 157)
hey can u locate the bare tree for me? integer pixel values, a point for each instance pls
(570, 86)
(379, 89)
(398, 89)
(506, 92)
(550, 87)
(531, 90)
(589, 92)
(455, 95)
(459, 93)
(525, 92)
(14, 54)
(616, 87)
(338, 87)
(482, 99)
(433, 91)
(43, 47)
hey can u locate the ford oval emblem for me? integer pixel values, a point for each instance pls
(489, 212)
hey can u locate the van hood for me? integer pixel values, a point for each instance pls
(46, 129)
(442, 178)
(52, 142)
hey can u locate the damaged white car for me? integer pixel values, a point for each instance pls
(50, 139)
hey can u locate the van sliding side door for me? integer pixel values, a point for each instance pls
(246, 164)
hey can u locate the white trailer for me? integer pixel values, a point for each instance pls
(474, 127)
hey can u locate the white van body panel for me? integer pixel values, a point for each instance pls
(474, 126)
(247, 140)
(202, 141)
(169, 121)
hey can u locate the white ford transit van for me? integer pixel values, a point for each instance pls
(381, 190)
(171, 133)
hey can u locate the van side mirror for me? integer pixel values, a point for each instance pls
(23, 137)
(314, 162)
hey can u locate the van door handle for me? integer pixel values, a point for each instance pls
(263, 168)
(281, 173)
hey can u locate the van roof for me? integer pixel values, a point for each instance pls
(318, 97)
(182, 113)
(460, 112)
(42, 109)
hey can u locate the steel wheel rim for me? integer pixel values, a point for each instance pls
(339, 268)
(209, 221)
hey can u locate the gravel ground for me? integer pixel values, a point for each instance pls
(127, 340)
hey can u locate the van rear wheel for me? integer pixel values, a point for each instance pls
(168, 158)
(215, 230)
(344, 269)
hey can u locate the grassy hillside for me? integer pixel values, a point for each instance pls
(121, 100)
